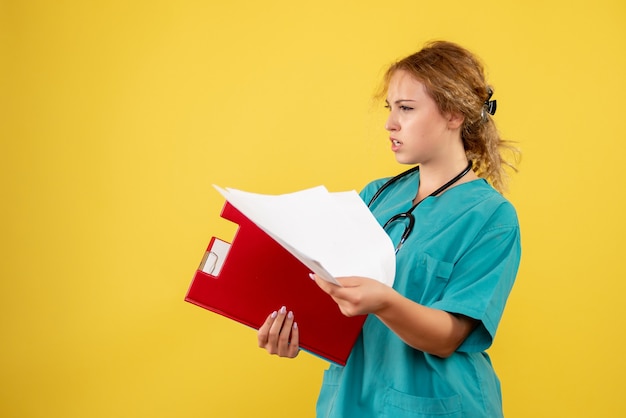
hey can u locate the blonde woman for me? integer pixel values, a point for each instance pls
(421, 352)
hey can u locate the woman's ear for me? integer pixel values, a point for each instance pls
(455, 120)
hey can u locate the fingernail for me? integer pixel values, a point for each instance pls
(274, 314)
(295, 325)
(311, 276)
(283, 310)
(290, 315)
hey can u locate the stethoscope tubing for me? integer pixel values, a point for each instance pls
(409, 213)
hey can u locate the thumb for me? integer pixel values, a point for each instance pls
(350, 281)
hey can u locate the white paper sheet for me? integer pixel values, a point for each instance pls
(334, 234)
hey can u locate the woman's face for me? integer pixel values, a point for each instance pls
(419, 133)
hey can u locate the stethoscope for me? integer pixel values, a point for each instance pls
(409, 213)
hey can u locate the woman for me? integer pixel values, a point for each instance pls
(422, 349)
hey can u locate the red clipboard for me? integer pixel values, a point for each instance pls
(254, 276)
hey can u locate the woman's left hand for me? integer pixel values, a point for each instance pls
(356, 295)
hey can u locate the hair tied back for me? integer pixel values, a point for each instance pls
(489, 106)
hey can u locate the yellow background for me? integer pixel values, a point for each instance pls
(116, 117)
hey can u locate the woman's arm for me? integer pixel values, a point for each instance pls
(430, 330)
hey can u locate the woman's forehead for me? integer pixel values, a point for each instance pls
(404, 85)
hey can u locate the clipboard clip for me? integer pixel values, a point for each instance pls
(214, 257)
(209, 262)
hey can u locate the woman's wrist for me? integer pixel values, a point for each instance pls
(387, 300)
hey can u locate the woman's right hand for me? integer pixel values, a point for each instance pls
(279, 334)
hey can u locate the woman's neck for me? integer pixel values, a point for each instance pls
(432, 176)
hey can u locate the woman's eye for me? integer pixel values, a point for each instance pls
(401, 107)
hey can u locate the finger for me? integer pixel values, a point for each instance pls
(324, 285)
(264, 330)
(272, 345)
(294, 344)
(284, 338)
(349, 281)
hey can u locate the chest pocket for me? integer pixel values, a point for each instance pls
(425, 280)
(399, 404)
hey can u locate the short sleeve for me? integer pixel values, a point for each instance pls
(483, 277)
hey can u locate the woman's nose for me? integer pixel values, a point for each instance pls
(391, 124)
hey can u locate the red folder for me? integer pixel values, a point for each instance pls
(258, 276)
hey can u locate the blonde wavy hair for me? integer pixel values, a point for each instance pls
(455, 79)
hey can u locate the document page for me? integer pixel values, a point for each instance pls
(334, 234)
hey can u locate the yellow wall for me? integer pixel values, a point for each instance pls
(116, 117)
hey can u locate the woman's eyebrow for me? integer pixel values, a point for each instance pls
(401, 101)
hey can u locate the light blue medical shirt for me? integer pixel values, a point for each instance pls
(461, 257)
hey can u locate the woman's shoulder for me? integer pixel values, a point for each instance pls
(483, 196)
